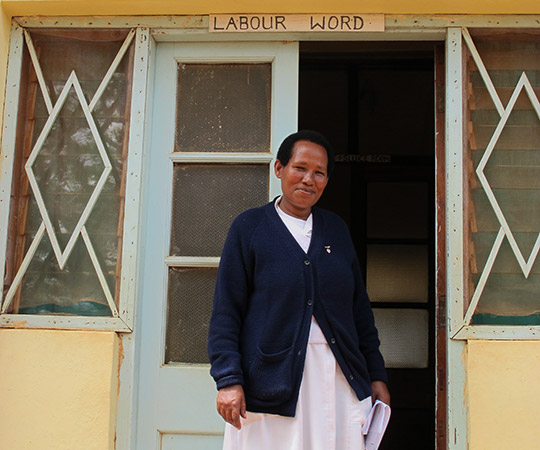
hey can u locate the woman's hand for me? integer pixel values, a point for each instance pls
(231, 404)
(380, 392)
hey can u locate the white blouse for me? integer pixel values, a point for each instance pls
(299, 228)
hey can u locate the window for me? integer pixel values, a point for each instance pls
(500, 173)
(503, 156)
(69, 176)
(222, 109)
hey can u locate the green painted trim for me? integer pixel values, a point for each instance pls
(493, 319)
(77, 309)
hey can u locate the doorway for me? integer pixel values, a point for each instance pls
(376, 104)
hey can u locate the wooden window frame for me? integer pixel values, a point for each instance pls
(460, 327)
(128, 252)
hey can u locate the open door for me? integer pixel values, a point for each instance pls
(376, 103)
(219, 112)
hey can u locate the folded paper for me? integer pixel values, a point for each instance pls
(375, 425)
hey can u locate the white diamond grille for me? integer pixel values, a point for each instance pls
(62, 255)
(505, 230)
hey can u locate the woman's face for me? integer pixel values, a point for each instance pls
(303, 179)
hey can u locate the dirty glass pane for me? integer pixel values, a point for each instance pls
(67, 170)
(397, 273)
(223, 108)
(393, 325)
(206, 199)
(389, 123)
(504, 179)
(397, 210)
(191, 292)
(323, 94)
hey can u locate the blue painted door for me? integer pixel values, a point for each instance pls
(219, 112)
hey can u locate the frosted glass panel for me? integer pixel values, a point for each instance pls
(223, 108)
(207, 198)
(404, 337)
(191, 292)
(397, 273)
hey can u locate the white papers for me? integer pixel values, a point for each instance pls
(375, 425)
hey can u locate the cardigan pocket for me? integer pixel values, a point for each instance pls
(270, 376)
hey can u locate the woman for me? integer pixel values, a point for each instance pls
(292, 342)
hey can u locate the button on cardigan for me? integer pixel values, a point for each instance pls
(268, 289)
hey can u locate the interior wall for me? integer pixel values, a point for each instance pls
(59, 389)
(503, 394)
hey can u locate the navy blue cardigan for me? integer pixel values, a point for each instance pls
(268, 288)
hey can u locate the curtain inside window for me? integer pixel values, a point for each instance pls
(67, 171)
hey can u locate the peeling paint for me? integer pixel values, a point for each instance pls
(121, 357)
(18, 324)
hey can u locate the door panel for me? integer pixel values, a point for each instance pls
(220, 110)
(191, 441)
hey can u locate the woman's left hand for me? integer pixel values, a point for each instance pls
(380, 392)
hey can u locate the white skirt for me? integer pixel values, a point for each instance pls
(329, 416)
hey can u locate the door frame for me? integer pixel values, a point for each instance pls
(443, 425)
(441, 336)
(408, 34)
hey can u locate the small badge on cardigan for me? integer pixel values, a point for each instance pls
(328, 249)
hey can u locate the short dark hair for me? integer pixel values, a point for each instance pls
(286, 148)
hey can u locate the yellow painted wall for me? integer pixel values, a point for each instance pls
(504, 395)
(58, 389)
(123, 7)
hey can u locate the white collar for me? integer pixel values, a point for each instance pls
(305, 226)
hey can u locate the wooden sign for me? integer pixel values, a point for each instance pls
(271, 23)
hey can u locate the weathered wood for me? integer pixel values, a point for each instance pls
(508, 59)
(506, 260)
(101, 35)
(482, 99)
(26, 135)
(124, 154)
(522, 215)
(513, 137)
(440, 299)
(282, 23)
(468, 140)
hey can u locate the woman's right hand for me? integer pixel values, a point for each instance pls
(231, 404)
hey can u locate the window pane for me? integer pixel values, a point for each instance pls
(223, 108)
(397, 210)
(190, 296)
(393, 325)
(67, 170)
(397, 273)
(46, 289)
(505, 180)
(390, 121)
(324, 96)
(206, 199)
